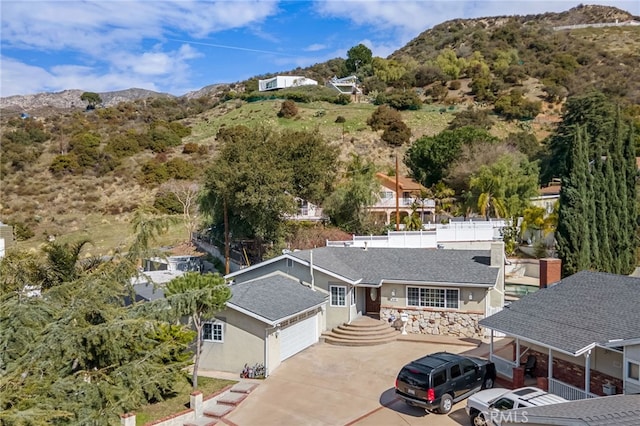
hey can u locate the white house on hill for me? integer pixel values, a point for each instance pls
(284, 81)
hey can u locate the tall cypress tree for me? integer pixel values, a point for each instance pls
(573, 216)
(599, 190)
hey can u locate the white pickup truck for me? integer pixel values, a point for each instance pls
(490, 406)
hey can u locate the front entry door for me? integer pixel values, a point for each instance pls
(373, 300)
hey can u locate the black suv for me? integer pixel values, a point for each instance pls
(435, 382)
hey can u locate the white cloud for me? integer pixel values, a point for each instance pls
(315, 47)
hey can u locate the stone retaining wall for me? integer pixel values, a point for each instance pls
(448, 323)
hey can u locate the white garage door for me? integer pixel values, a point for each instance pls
(298, 336)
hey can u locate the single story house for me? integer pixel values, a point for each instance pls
(281, 306)
(584, 332)
(284, 81)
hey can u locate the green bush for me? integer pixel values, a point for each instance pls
(397, 134)
(382, 117)
(288, 109)
(190, 148)
(65, 164)
(167, 203)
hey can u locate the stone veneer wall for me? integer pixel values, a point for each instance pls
(573, 374)
(449, 323)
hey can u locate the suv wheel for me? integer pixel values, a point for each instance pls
(446, 404)
(478, 420)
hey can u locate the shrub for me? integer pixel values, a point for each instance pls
(65, 164)
(288, 109)
(340, 119)
(454, 85)
(397, 134)
(167, 203)
(382, 117)
(476, 118)
(22, 231)
(343, 99)
(190, 148)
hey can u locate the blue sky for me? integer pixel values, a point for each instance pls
(180, 46)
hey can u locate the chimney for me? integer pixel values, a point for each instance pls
(550, 271)
(497, 253)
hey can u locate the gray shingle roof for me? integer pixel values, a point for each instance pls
(618, 410)
(405, 264)
(581, 310)
(275, 296)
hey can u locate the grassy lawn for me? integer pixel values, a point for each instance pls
(180, 402)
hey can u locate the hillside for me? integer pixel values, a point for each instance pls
(95, 199)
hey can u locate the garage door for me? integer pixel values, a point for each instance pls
(298, 336)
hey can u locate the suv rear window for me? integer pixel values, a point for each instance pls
(416, 377)
(439, 378)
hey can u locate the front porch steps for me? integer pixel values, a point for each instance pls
(363, 331)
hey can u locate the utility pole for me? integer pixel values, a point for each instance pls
(226, 237)
(397, 197)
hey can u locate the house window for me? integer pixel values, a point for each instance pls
(289, 263)
(338, 295)
(433, 297)
(633, 371)
(212, 332)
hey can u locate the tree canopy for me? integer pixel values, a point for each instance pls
(75, 352)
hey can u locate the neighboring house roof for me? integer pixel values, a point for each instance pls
(550, 190)
(274, 297)
(405, 183)
(149, 285)
(374, 266)
(617, 410)
(574, 315)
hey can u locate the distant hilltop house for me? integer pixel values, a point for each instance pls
(346, 85)
(284, 81)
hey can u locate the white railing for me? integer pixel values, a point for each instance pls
(567, 391)
(504, 367)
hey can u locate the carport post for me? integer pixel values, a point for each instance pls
(587, 374)
(491, 345)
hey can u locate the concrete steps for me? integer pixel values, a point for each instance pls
(223, 404)
(363, 331)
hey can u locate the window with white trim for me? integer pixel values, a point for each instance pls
(213, 331)
(433, 297)
(338, 295)
(633, 371)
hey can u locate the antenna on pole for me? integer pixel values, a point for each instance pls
(397, 197)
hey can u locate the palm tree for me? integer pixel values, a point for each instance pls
(199, 297)
(444, 197)
(413, 222)
(488, 189)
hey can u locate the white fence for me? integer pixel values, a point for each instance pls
(567, 391)
(438, 234)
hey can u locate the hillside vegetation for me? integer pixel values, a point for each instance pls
(71, 172)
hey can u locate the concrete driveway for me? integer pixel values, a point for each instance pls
(339, 385)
